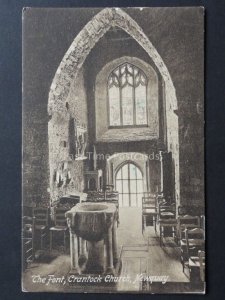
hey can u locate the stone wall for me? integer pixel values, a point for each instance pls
(60, 136)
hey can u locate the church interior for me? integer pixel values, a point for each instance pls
(113, 150)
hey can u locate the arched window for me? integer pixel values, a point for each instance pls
(129, 184)
(127, 89)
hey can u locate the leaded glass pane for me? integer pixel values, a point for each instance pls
(114, 106)
(139, 186)
(117, 72)
(119, 174)
(127, 85)
(130, 68)
(123, 79)
(115, 81)
(137, 80)
(140, 99)
(139, 174)
(130, 79)
(123, 69)
(133, 188)
(127, 105)
(143, 79)
(125, 172)
(119, 185)
(125, 186)
(132, 171)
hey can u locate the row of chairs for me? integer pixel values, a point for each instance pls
(37, 228)
(156, 210)
(187, 229)
(192, 245)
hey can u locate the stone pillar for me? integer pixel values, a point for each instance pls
(161, 175)
(95, 262)
(83, 248)
(83, 256)
(114, 244)
(109, 249)
(74, 252)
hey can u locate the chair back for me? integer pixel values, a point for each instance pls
(195, 239)
(27, 226)
(187, 221)
(59, 217)
(149, 202)
(111, 195)
(95, 196)
(167, 210)
(148, 194)
(41, 215)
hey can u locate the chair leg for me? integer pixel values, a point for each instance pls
(50, 241)
(143, 223)
(155, 223)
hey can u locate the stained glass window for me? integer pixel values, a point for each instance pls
(127, 89)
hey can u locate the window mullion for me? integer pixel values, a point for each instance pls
(122, 185)
(121, 102)
(134, 103)
(129, 184)
(136, 186)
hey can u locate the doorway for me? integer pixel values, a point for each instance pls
(129, 184)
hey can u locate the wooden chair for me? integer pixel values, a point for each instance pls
(27, 241)
(149, 211)
(41, 221)
(183, 222)
(195, 241)
(190, 210)
(167, 220)
(201, 256)
(60, 225)
(167, 211)
(159, 200)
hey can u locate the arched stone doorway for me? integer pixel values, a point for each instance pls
(68, 71)
(129, 184)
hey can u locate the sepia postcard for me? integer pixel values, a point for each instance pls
(113, 150)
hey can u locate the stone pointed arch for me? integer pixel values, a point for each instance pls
(78, 52)
(86, 40)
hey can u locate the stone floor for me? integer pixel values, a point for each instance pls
(141, 255)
